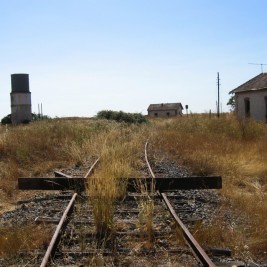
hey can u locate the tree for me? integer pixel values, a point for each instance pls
(231, 103)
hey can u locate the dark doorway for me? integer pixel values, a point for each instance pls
(247, 107)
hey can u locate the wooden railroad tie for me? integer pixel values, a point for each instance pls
(161, 184)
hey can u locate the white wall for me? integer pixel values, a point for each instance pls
(257, 104)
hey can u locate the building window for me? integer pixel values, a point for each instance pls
(156, 114)
(247, 107)
(168, 114)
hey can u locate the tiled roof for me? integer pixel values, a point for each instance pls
(165, 106)
(257, 83)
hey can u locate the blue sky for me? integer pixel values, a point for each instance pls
(84, 56)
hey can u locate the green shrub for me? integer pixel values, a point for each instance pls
(121, 116)
(6, 119)
(37, 117)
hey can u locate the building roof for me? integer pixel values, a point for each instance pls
(165, 106)
(257, 83)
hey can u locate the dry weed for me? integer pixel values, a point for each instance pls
(22, 238)
(236, 150)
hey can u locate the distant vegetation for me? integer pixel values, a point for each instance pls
(121, 116)
(35, 117)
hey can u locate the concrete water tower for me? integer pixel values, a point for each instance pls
(21, 108)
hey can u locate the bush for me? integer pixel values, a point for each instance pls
(37, 117)
(6, 119)
(121, 116)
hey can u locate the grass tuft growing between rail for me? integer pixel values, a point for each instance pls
(120, 151)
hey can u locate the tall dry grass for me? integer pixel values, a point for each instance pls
(35, 149)
(27, 238)
(236, 150)
(120, 153)
(38, 148)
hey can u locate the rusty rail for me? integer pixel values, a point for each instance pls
(191, 241)
(50, 252)
(61, 174)
(147, 162)
(92, 168)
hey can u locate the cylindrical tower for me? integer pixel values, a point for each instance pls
(21, 108)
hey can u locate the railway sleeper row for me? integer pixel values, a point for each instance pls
(130, 246)
(61, 199)
(71, 256)
(180, 203)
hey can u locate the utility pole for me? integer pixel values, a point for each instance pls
(42, 110)
(186, 107)
(218, 103)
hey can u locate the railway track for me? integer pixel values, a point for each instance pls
(141, 231)
(198, 251)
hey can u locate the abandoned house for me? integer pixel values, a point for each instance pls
(251, 98)
(165, 110)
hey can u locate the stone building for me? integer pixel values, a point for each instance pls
(165, 110)
(251, 98)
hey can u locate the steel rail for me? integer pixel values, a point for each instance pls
(50, 252)
(92, 168)
(191, 241)
(61, 174)
(147, 162)
(152, 188)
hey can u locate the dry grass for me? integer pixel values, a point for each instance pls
(36, 149)
(40, 147)
(120, 153)
(236, 150)
(146, 216)
(23, 238)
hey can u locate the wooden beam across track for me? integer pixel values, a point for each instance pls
(133, 184)
(57, 183)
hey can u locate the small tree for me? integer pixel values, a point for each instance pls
(231, 103)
